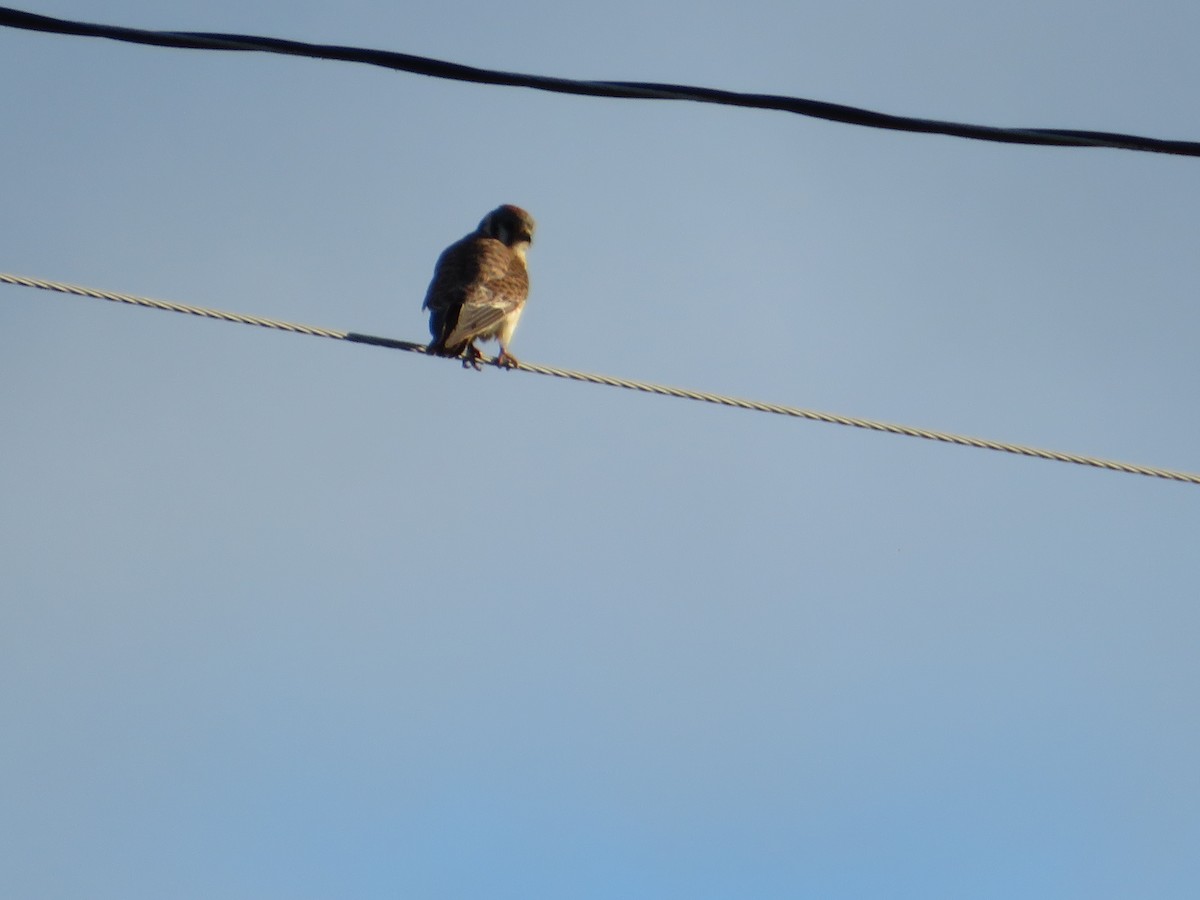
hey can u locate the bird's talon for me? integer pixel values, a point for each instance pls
(471, 357)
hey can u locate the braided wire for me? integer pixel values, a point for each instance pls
(869, 424)
(150, 303)
(628, 384)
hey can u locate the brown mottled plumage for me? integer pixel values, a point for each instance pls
(479, 287)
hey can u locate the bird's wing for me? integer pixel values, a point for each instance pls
(481, 317)
(455, 270)
(497, 286)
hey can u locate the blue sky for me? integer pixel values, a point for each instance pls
(292, 617)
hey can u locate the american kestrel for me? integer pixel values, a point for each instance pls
(479, 287)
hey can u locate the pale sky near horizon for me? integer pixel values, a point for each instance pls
(285, 617)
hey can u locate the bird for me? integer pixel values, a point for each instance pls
(479, 288)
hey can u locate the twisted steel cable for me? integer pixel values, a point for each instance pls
(610, 381)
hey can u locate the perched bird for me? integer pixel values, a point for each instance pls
(479, 287)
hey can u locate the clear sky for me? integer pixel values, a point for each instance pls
(284, 617)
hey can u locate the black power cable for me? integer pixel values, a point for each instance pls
(420, 65)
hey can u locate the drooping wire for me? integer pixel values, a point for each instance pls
(643, 386)
(420, 65)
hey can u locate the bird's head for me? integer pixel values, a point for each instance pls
(510, 225)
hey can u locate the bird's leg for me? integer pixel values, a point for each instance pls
(471, 356)
(506, 360)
